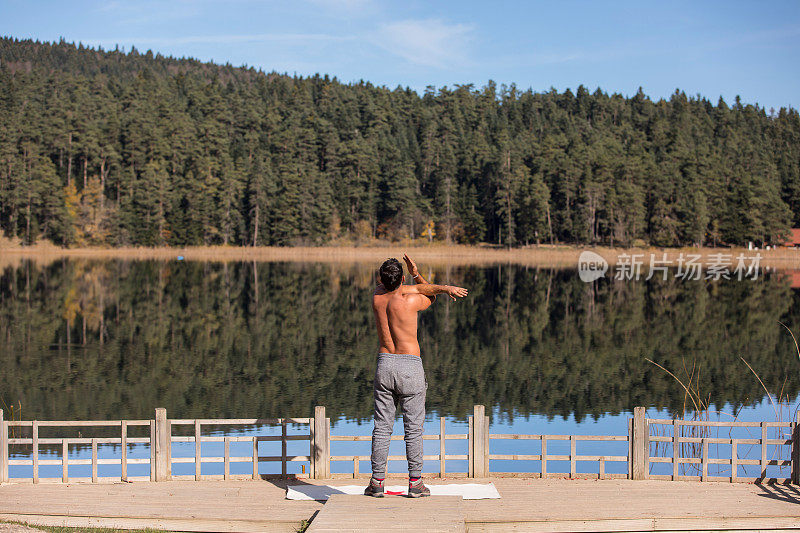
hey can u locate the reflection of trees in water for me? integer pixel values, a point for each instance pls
(93, 339)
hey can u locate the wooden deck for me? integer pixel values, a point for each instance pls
(437, 514)
(526, 505)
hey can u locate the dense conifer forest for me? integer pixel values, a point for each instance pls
(124, 148)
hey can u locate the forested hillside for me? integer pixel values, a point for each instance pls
(113, 148)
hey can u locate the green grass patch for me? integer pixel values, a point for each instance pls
(61, 529)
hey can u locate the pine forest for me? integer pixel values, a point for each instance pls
(123, 148)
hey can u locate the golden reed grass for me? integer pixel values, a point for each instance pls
(436, 254)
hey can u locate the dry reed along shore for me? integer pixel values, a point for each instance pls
(542, 256)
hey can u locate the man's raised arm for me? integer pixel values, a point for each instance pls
(413, 270)
(428, 289)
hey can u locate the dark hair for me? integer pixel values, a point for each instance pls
(391, 272)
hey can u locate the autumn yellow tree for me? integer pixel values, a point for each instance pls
(429, 231)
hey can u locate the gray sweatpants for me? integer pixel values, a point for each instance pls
(399, 378)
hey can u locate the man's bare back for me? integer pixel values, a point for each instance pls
(399, 375)
(396, 311)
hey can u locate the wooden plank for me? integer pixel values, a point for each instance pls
(734, 461)
(311, 448)
(544, 456)
(326, 443)
(35, 452)
(79, 423)
(3, 449)
(470, 451)
(335, 458)
(676, 449)
(255, 458)
(163, 443)
(630, 448)
(124, 449)
(511, 436)
(561, 500)
(94, 460)
(479, 442)
(90, 523)
(198, 456)
(514, 436)
(343, 512)
(709, 423)
(441, 446)
(511, 457)
(665, 525)
(796, 449)
(763, 450)
(152, 450)
(283, 449)
(639, 444)
(168, 446)
(486, 446)
(389, 475)
(276, 438)
(318, 447)
(704, 460)
(227, 458)
(290, 458)
(88, 440)
(240, 421)
(65, 462)
(572, 453)
(715, 440)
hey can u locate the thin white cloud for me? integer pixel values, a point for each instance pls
(429, 42)
(223, 39)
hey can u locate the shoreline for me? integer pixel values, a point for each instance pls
(438, 254)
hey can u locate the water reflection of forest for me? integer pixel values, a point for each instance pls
(111, 339)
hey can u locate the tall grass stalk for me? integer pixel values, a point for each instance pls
(700, 410)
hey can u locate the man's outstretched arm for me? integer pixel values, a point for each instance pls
(431, 290)
(428, 289)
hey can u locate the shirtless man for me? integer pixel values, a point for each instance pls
(399, 376)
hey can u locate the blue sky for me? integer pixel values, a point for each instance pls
(711, 48)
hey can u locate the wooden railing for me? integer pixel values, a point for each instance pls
(442, 456)
(686, 444)
(36, 462)
(254, 458)
(160, 443)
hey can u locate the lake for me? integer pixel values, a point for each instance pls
(543, 350)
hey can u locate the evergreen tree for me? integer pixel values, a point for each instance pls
(114, 148)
